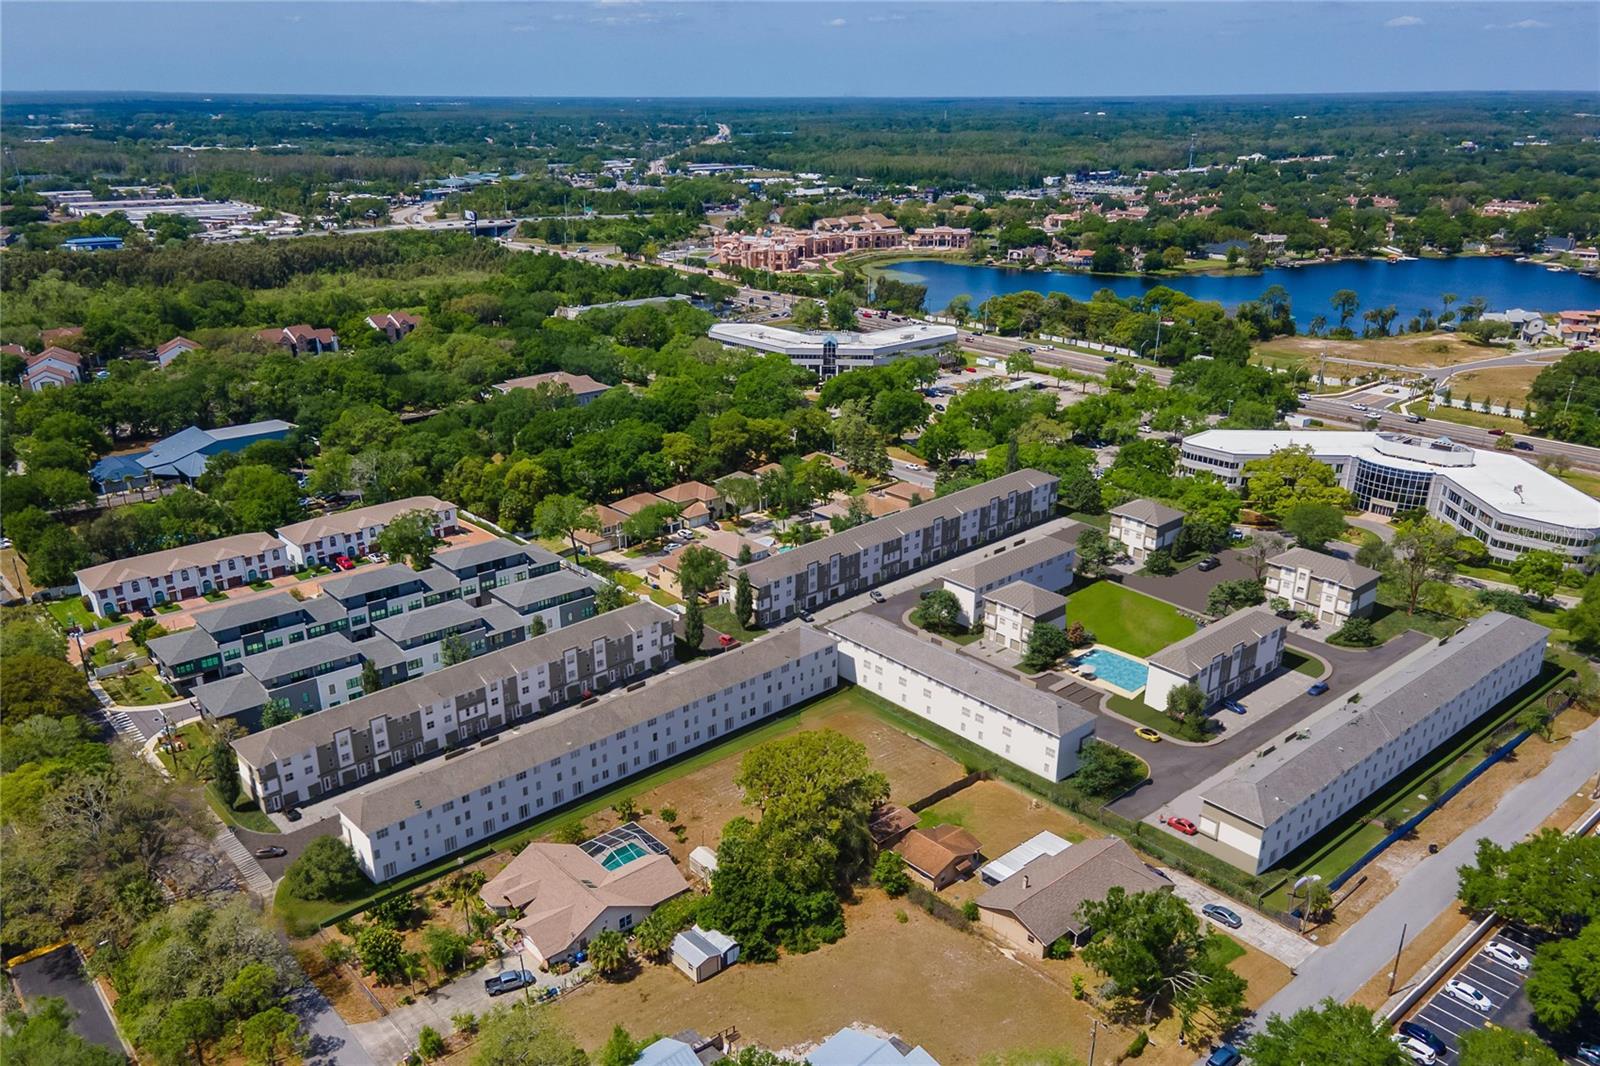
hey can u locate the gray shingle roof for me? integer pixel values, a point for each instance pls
(370, 579)
(1149, 512)
(892, 527)
(301, 655)
(1344, 572)
(489, 551)
(412, 624)
(254, 609)
(294, 737)
(182, 646)
(963, 673)
(385, 802)
(1195, 651)
(1046, 893)
(1268, 788)
(545, 586)
(1028, 598)
(231, 695)
(1003, 564)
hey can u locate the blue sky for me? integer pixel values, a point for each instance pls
(799, 48)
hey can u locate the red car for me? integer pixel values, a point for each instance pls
(727, 641)
(343, 562)
(1182, 825)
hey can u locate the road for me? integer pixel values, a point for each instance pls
(1339, 411)
(60, 973)
(1341, 968)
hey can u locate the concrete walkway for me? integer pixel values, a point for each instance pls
(1259, 931)
(1341, 968)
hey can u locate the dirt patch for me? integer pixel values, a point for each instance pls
(1495, 383)
(1431, 349)
(1418, 952)
(1266, 975)
(338, 984)
(914, 978)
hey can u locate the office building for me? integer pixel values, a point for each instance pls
(831, 352)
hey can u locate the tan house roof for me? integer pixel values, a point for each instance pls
(632, 505)
(158, 564)
(561, 891)
(1149, 512)
(932, 851)
(580, 384)
(689, 492)
(890, 821)
(904, 490)
(1046, 893)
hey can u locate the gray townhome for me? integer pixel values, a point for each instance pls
(848, 563)
(373, 593)
(307, 758)
(223, 636)
(552, 600)
(489, 564)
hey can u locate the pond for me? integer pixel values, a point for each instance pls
(1409, 285)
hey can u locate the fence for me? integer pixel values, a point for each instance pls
(123, 667)
(948, 790)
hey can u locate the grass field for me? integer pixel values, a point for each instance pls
(1302, 664)
(1497, 384)
(138, 689)
(1135, 709)
(71, 612)
(1585, 483)
(1463, 417)
(1424, 349)
(1127, 620)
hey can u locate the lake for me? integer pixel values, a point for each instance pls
(1409, 285)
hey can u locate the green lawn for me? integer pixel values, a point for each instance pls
(1102, 522)
(1127, 620)
(215, 596)
(1302, 664)
(721, 619)
(1137, 710)
(71, 612)
(1585, 483)
(139, 688)
(1222, 949)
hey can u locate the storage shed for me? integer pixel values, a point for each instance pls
(701, 953)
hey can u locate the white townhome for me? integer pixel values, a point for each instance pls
(355, 532)
(1333, 589)
(1144, 526)
(1221, 659)
(1046, 561)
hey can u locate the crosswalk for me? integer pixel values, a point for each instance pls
(124, 726)
(255, 878)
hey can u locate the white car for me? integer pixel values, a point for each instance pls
(1418, 1051)
(1358, 407)
(1462, 992)
(1500, 951)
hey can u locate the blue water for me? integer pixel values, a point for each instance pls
(1409, 286)
(1127, 674)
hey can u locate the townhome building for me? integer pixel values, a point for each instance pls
(482, 567)
(1046, 561)
(309, 676)
(373, 593)
(302, 339)
(539, 766)
(310, 757)
(1011, 612)
(552, 600)
(144, 581)
(1290, 792)
(427, 638)
(355, 532)
(848, 563)
(52, 368)
(1145, 526)
(1221, 659)
(1027, 726)
(224, 635)
(1333, 589)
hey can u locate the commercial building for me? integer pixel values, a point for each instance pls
(1509, 504)
(1046, 562)
(832, 352)
(1267, 808)
(584, 388)
(1333, 589)
(355, 532)
(1220, 659)
(184, 455)
(423, 815)
(1039, 904)
(1011, 611)
(785, 248)
(304, 759)
(1033, 728)
(851, 562)
(144, 581)
(1145, 526)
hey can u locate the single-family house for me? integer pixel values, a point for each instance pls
(169, 351)
(1038, 846)
(1041, 903)
(889, 823)
(942, 855)
(302, 339)
(52, 368)
(584, 388)
(700, 502)
(394, 324)
(859, 1047)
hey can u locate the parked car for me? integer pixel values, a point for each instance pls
(876, 596)
(1418, 1031)
(1234, 705)
(1182, 825)
(292, 814)
(509, 981)
(273, 852)
(343, 562)
(1210, 562)
(727, 641)
(1144, 732)
(1416, 1049)
(1317, 688)
(1226, 1055)
(1218, 913)
(1463, 992)
(807, 616)
(1500, 951)
(1589, 1054)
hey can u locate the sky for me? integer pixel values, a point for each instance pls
(669, 48)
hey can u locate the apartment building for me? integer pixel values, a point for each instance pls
(1046, 561)
(1333, 589)
(424, 638)
(551, 601)
(482, 567)
(144, 581)
(309, 676)
(1221, 659)
(1507, 503)
(1145, 526)
(355, 532)
(373, 593)
(539, 766)
(223, 636)
(1011, 611)
(845, 564)
(1030, 727)
(307, 758)
(1289, 793)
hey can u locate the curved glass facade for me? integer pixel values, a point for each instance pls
(1394, 488)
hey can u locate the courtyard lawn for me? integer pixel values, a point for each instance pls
(71, 612)
(1127, 620)
(720, 618)
(1302, 664)
(138, 689)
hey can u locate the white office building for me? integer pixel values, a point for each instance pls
(1266, 809)
(1497, 497)
(1037, 730)
(827, 353)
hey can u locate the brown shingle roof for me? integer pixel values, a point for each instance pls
(931, 851)
(1045, 894)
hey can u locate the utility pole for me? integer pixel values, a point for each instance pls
(1395, 973)
(1094, 1033)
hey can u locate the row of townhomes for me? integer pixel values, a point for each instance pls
(846, 564)
(1507, 503)
(1293, 790)
(142, 582)
(303, 760)
(1221, 659)
(371, 628)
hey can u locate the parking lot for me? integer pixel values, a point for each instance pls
(1502, 984)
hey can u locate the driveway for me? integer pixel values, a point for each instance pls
(60, 973)
(1259, 931)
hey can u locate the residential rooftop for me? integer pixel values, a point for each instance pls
(1047, 892)
(161, 563)
(359, 518)
(1149, 512)
(1026, 597)
(1196, 651)
(1004, 563)
(1341, 571)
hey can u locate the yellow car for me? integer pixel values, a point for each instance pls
(1144, 732)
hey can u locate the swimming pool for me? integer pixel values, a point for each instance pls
(619, 857)
(1130, 675)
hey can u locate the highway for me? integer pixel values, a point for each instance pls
(1339, 410)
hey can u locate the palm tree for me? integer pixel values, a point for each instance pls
(1318, 324)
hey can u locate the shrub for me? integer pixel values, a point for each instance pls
(1159, 563)
(571, 833)
(1355, 633)
(969, 910)
(889, 872)
(326, 870)
(902, 917)
(465, 1022)
(429, 1043)
(669, 814)
(1077, 986)
(1136, 1048)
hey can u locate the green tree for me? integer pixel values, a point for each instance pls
(188, 1027)
(1047, 646)
(411, 537)
(144, 631)
(36, 685)
(744, 608)
(806, 315)
(1226, 597)
(276, 712)
(1150, 947)
(1546, 881)
(565, 516)
(454, 649)
(938, 610)
(326, 869)
(694, 624)
(371, 681)
(523, 1034)
(54, 556)
(271, 1037)
(430, 1045)
(1186, 703)
(889, 873)
(1018, 363)
(1582, 621)
(1292, 476)
(1422, 551)
(20, 635)
(1355, 633)
(1313, 524)
(1505, 1047)
(1566, 978)
(608, 953)
(1346, 303)
(1539, 572)
(1329, 1032)
(41, 1037)
(446, 948)
(1106, 770)
(257, 497)
(841, 311)
(700, 569)
(650, 522)
(1095, 552)
(621, 1049)
(382, 953)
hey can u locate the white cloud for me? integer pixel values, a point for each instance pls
(1529, 24)
(837, 22)
(1403, 20)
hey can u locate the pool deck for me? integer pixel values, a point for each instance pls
(1100, 682)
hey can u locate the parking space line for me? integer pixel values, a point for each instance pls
(1475, 1019)
(1443, 1023)
(1480, 968)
